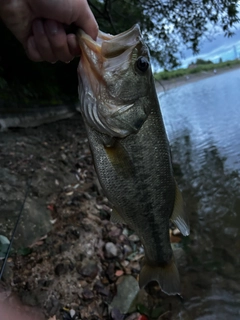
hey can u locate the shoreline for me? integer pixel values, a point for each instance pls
(165, 85)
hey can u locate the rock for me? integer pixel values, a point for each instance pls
(64, 247)
(89, 269)
(111, 250)
(101, 289)
(176, 232)
(110, 272)
(127, 249)
(60, 269)
(115, 232)
(127, 291)
(116, 314)
(87, 294)
(72, 313)
(230, 231)
(125, 232)
(134, 238)
(64, 158)
(54, 306)
(134, 316)
(33, 298)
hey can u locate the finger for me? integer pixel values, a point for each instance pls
(58, 40)
(86, 20)
(32, 50)
(42, 43)
(73, 45)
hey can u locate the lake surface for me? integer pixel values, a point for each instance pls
(210, 111)
(203, 124)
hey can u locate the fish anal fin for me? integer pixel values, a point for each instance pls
(167, 277)
(115, 217)
(179, 216)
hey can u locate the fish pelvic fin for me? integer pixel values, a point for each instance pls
(167, 277)
(179, 216)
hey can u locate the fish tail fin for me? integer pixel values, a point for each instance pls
(167, 277)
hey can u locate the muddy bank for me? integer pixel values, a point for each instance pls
(67, 257)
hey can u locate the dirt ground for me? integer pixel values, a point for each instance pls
(68, 259)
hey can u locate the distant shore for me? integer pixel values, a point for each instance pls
(165, 85)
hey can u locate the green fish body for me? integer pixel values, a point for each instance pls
(130, 148)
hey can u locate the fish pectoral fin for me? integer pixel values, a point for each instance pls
(167, 277)
(115, 217)
(179, 216)
(107, 141)
(120, 159)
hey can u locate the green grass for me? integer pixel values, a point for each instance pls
(167, 75)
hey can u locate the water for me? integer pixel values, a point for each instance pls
(203, 124)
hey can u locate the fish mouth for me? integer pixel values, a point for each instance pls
(107, 49)
(100, 64)
(107, 45)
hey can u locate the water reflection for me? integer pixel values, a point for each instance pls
(205, 140)
(210, 278)
(210, 110)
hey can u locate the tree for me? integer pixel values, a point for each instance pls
(169, 26)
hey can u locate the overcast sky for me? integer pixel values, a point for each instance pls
(220, 47)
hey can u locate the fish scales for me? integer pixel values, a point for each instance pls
(130, 147)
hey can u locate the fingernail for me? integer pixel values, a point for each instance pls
(52, 27)
(38, 27)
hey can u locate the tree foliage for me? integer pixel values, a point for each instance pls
(169, 26)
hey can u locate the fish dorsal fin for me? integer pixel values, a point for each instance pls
(115, 217)
(179, 216)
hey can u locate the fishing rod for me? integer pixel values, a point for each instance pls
(15, 227)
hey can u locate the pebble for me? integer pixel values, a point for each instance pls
(133, 238)
(111, 250)
(72, 313)
(64, 247)
(176, 232)
(60, 269)
(127, 290)
(101, 289)
(127, 249)
(87, 294)
(115, 232)
(134, 316)
(89, 269)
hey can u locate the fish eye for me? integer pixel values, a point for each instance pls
(142, 64)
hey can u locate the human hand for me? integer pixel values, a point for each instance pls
(17, 311)
(39, 26)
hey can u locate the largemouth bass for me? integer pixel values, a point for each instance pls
(130, 148)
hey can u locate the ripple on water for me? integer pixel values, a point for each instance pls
(210, 111)
(202, 121)
(219, 305)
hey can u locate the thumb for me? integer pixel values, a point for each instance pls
(85, 19)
